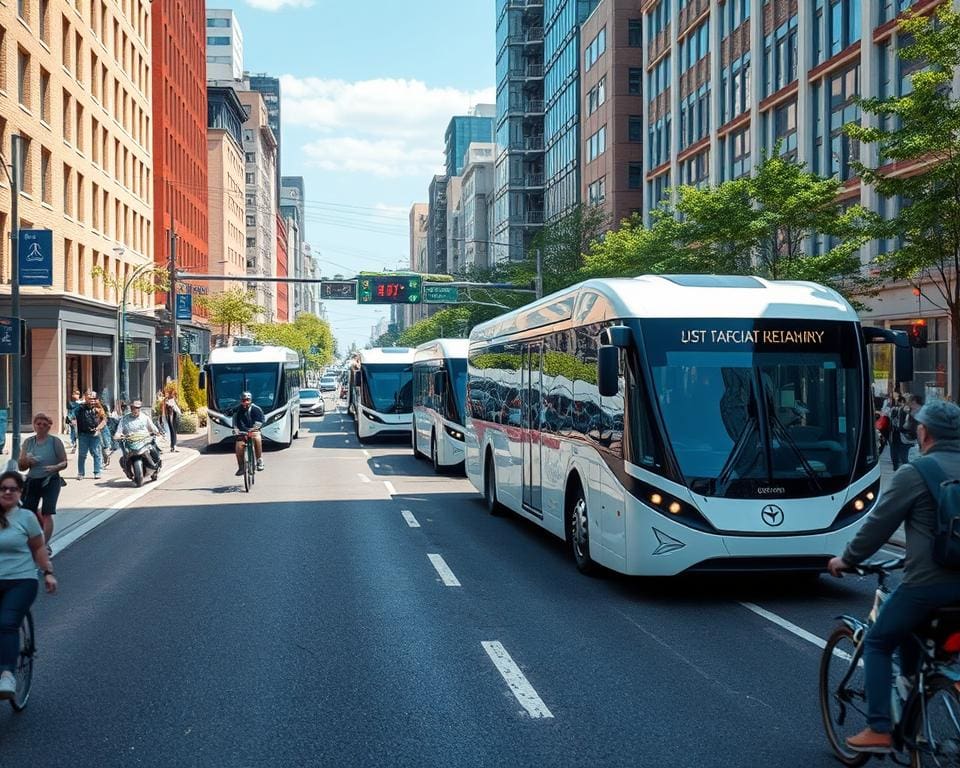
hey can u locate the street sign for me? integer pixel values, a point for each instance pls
(184, 306)
(9, 336)
(440, 294)
(338, 289)
(166, 344)
(389, 289)
(35, 257)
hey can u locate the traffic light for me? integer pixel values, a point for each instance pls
(918, 334)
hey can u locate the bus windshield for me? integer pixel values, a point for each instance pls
(388, 388)
(759, 407)
(227, 382)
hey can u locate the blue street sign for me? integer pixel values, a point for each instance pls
(13, 336)
(184, 306)
(35, 249)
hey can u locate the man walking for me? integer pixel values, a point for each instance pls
(89, 424)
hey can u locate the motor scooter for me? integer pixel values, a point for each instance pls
(141, 456)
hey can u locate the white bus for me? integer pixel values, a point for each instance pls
(679, 423)
(439, 396)
(272, 375)
(381, 391)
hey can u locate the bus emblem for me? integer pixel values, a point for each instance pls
(772, 515)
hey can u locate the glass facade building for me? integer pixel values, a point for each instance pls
(461, 131)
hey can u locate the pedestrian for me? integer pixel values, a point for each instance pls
(908, 427)
(43, 457)
(895, 417)
(21, 554)
(170, 412)
(72, 405)
(89, 425)
(926, 585)
(884, 421)
(105, 440)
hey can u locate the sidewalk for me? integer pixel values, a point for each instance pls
(84, 504)
(886, 473)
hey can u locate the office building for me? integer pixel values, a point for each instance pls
(474, 224)
(76, 90)
(437, 226)
(611, 110)
(282, 289)
(224, 46)
(463, 130)
(419, 237)
(269, 88)
(292, 208)
(225, 174)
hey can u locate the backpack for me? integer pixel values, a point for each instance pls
(946, 495)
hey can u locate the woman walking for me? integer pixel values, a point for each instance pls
(21, 554)
(43, 457)
(171, 412)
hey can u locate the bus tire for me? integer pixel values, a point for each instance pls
(494, 507)
(578, 527)
(435, 454)
(413, 442)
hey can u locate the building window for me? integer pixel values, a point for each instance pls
(250, 178)
(218, 22)
(597, 144)
(218, 40)
(251, 221)
(23, 77)
(696, 170)
(45, 20)
(732, 15)
(836, 25)
(595, 49)
(785, 129)
(634, 33)
(739, 153)
(596, 192)
(634, 80)
(635, 176)
(658, 142)
(780, 57)
(695, 46)
(635, 128)
(659, 18)
(659, 79)
(844, 88)
(597, 96)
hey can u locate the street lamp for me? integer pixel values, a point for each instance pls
(16, 374)
(122, 325)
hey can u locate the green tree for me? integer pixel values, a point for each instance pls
(190, 383)
(307, 334)
(231, 310)
(452, 322)
(920, 132)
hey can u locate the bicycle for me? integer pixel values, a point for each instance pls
(926, 710)
(249, 461)
(24, 669)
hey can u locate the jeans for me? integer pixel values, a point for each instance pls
(89, 442)
(16, 597)
(903, 611)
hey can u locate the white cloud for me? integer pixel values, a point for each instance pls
(384, 127)
(276, 5)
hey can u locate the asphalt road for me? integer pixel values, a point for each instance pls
(312, 623)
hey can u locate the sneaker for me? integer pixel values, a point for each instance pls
(870, 741)
(8, 685)
(79, 477)
(259, 466)
(96, 477)
(240, 472)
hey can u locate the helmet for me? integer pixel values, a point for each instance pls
(246, 396)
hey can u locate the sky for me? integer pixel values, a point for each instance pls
(367, 89)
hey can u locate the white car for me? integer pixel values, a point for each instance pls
(311, 402)
(328, 384)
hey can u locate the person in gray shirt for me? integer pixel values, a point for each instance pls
(926, 586)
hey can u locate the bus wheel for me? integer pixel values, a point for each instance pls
(579, 528)
(413, 442)
(435, 454)
(490, 487)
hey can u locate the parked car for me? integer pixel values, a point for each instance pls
(311, 402)
(328, 384)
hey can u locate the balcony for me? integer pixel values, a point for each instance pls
(531, 36)
(524, 5)
(527, 181)
(530, 72)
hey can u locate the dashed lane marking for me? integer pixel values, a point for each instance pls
(363, 478)
(390, 489)
(794, 629)
(446, 575)
(516, 680)
(408, 516)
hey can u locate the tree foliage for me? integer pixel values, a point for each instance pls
(917, 142)
(307, 334)
(767, 225)
(232, 310)
(190, 383)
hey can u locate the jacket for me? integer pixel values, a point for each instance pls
(908, 501)
(88, 419)
(247, 419)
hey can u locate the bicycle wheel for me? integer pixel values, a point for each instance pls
(24, 670)
(843, 700)
(936, 737)
(249, 468)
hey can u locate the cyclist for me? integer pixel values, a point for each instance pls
(247, 420)
(21, 553)
(926, 586)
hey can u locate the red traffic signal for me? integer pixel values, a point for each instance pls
(918, 334)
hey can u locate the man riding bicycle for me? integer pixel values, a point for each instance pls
(926, 585)
(247, 422)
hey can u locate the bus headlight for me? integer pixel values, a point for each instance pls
(221, 420)
(274, 418)
(858, 506)
(456, 434)
(372, 417)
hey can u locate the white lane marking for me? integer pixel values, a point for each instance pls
(516, 680)
(408, 516)
(390, 489)
(60, 543)
(363, 478)
(787, 625)
(446, 575)
(366, 452)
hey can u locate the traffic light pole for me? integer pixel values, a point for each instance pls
(172, 293)
(17, 362)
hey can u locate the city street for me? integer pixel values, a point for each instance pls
(355, 609)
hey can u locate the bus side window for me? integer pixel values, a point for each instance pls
(611, 433)
(646, 450)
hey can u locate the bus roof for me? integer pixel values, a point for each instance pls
(672, 296)
(252, 353)
(386, 355)
(441, 349)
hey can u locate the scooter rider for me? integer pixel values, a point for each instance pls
(248, 419)
(136, 423)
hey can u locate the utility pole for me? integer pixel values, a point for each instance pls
(17, 373)
(172, 292)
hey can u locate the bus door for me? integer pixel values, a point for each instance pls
(532, 399)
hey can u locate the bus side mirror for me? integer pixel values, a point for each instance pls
(202, 380)
(902, 364)
(608, 371)
(902, 350)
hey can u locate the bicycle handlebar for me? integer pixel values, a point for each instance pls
(878, 567)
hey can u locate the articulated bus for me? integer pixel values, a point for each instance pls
(381, 392)
(272, 375)
(679, 423)
(439, 395)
